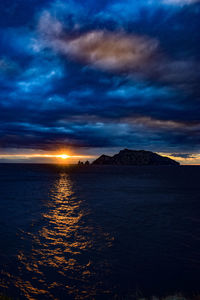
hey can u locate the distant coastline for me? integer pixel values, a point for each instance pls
(136, 158)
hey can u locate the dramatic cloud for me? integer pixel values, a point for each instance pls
(112, 51)
(102, 49)
(137, 55)
(100, 75)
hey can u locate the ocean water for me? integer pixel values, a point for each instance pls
(98, 232)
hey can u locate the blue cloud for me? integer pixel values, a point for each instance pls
(77, 83)
(146, 93)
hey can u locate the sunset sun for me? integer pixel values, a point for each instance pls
(64, 156)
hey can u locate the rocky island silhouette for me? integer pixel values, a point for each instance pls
(135, 157)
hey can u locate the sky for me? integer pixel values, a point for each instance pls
(83, 78)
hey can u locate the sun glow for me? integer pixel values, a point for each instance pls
(48, 157)
(63, 156)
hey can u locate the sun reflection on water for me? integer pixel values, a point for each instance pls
(60, 257)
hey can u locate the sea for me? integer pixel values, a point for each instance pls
(99, 232)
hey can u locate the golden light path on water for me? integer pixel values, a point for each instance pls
(60, 257)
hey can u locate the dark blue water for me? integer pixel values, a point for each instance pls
(98, 232)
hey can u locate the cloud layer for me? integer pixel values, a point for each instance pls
(103, 75)
(102, 49)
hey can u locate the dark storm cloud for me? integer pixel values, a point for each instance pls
(111, 74)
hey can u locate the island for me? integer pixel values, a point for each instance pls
(136, 158)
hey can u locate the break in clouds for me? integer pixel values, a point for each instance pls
(107, 75)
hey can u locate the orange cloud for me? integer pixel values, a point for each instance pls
(112, 51)
(119, 52)
(102, 49)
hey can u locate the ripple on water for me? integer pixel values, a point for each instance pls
(61, 247)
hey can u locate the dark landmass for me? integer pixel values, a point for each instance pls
(136, 158)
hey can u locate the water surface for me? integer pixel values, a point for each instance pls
(98, 232)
